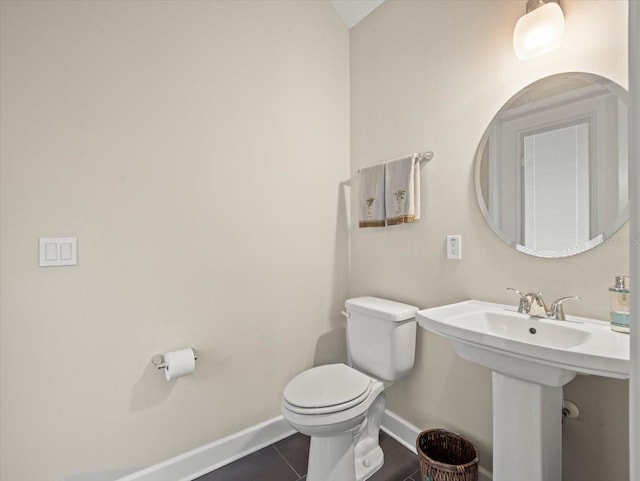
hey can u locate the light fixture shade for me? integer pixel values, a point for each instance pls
(539, 31)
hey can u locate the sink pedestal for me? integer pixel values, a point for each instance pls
(527, 430)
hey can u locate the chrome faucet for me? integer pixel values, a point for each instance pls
(533, 304)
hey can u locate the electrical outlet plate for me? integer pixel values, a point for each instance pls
(454, 247)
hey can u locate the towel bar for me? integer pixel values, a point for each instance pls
(422, 157)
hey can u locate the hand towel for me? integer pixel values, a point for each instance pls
(372, 196)
(402, 190)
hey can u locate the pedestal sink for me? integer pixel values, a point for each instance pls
(531, 359)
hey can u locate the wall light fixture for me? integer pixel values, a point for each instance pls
(540, 30)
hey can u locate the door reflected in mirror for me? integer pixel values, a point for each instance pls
(551, 168)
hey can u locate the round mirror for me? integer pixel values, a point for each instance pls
(551, 169)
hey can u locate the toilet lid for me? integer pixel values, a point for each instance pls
(324, 386)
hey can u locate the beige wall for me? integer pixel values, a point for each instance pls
(196, 150)
(430, 75)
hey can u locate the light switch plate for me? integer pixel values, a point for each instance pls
(58, 251)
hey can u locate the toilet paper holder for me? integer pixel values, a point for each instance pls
(159, 362)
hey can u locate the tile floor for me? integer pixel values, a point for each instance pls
(286, 460)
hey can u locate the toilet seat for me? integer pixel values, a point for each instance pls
(326, 389)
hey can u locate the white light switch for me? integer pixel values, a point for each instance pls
(66, 250)
(58, 251)
(50, 251)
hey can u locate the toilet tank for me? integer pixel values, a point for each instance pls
(381, 336)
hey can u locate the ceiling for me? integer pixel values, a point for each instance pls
(352, 11)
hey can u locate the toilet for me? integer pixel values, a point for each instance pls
(340, 407)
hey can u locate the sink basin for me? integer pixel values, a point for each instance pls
(553, 352)
(552, 335)
(531, 359)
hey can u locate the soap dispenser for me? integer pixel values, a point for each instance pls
(620, 305)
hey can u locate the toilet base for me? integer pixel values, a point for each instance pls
(354, 455)
(334, 459)
(368, 453)
(331, 459)
(368, 465)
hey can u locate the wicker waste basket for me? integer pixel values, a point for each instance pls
(446, 456)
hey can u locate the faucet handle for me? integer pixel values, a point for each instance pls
(557, 310)
(525, 305)
(516, 291)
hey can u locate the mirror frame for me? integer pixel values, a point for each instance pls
(623, 96)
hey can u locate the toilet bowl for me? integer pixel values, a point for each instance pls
(341, 410)
(340, 407)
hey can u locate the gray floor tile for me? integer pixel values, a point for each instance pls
(266, 464)
(295, 449)
(399, 462)
(415, 477)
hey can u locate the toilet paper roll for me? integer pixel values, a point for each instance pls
(179, 363)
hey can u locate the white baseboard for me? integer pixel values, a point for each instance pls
(214, 455)
(406, 434)
(199, 461)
